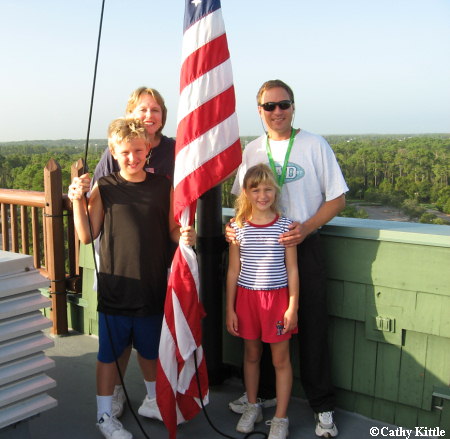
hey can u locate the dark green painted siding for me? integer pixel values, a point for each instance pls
(389, 307)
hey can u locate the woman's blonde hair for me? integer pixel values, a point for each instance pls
(125, 129)
(134, 99)
(256, 175)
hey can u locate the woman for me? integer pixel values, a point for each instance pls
(148, 105)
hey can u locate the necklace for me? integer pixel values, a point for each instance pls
(149, 156)
(282, 177)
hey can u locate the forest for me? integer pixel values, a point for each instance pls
(410, 172)
(22, 163)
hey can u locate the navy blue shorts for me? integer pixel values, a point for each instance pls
(142, 332)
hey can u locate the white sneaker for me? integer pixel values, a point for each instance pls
(252, 414)
(238, 405)
(278, 428)
(111, 428)
(149, 409)
(325, 426)
(267, 403)
(118, 402)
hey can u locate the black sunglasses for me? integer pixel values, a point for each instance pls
(270, 106)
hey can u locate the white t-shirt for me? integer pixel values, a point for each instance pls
(313, 175)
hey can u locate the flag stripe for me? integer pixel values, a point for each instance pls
(203, 89)
(202, 179)
(205, 147)
(186, 310)
(204, 59)
(189, 318)
(206, 116)
(201, 33)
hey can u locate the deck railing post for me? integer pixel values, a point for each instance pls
(54, 233)
(5, 230)
(76, 170)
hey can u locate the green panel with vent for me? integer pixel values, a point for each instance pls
(437, 369)
(431, 418)
(445, 418)
(398, 286)
(389, 306)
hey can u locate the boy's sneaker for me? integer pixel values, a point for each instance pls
(325, 426)
(278, 428)
(252, 414)
(111, 428)
(149, 409)
(118, 402)
(238, 405)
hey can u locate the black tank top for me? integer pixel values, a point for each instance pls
(134, 245)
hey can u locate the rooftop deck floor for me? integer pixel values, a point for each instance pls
(74, 417)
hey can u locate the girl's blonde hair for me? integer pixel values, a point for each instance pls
(256, 175)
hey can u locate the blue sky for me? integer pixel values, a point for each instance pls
(356, 66)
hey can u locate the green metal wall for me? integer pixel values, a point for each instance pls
(389, 307)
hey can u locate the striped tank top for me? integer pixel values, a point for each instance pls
(262, 257)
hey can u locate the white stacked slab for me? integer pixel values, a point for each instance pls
(23, 382)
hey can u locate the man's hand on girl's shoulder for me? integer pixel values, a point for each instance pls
(296, 235)
(230, 233)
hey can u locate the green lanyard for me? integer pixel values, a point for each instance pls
(282, 177)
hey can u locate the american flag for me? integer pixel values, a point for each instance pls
(208, 149)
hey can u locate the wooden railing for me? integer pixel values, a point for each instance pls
(50, 237)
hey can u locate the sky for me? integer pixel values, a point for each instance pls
(356, 66)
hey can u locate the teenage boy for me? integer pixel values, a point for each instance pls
(133, 210)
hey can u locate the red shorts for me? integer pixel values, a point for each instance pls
(261, 314)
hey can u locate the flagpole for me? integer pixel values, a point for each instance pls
(210, 246)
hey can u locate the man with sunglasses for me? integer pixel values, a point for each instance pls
(312, 193)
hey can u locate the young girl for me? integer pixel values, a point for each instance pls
(262, 293)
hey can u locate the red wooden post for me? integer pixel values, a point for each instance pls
(54, 233)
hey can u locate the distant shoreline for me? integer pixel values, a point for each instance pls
(389, 213)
